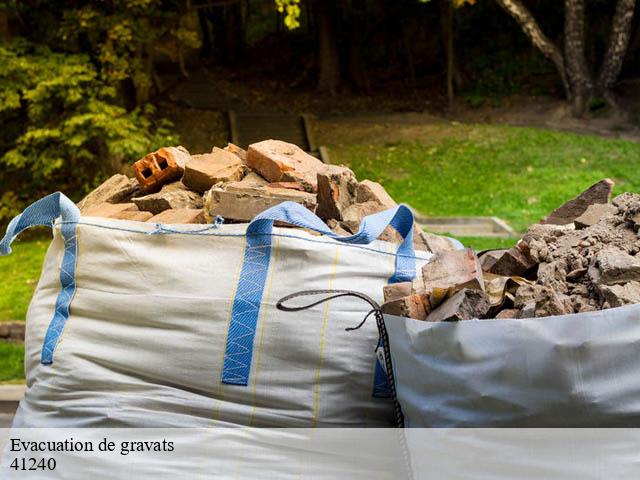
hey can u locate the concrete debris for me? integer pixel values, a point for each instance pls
(173, 195)
(204, 171)
(116, 189)
(466, 304)
(368, 191)
(161, 167)
(242, 202)
(456, 269)
(593, 214)
(279, 161)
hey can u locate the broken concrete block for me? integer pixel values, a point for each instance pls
(412, 306)
(108, 210)
(593, 214)
(507, 314)
(614, 267)
(241, 153)
(430, 242)
(368, 191)
(509, 262)
(619, 295)
(336, 191)
(179, 216)
(549, 302)
(455, 269)
(394, 291)
(116, 189)
(464, 305)
(238, 201)
(204, 171)
(174, 195)
(160, 167)
(597, 193)
(279, 161)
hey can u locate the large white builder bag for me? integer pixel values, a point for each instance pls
(148, 325)
(579, 370)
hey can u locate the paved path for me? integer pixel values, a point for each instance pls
(10, 396)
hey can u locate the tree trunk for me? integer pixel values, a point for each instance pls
(618, 42)
(446, 15)
(328, 55)
(578, 74)
(532, 30)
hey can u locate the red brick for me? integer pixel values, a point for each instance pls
(336, 191)
(110, 210)
(455, 269)
(412, 306)
(204, 171)
(160, 167)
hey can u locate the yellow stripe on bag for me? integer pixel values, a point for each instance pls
(274, 259)
(314, 421)
(220, 396)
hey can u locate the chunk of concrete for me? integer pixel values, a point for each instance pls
(463, 305)
(614, 267)
(174, 195)
(241, 202)
(116, 189)
(619, 295)
(599, 192)
(179, 216)
(204, 171)
(278, 161)
(593, 214)
(336, 191)
(457, 269)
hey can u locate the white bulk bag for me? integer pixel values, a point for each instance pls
(579, 370)
(143, 325)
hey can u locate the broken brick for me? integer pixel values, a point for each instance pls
(336, 191)
(116, 189)
(507, 314)
(463, 305)
(174, 195)
(455, 269)
(614, 267)
(288, 185)
(241, 153)
(278, 161)
(133, 216)
(619, 295)
(179, 216)
(204, 171)
(593, 214)
(252, 179)
(509, 262)
(108, 210)
(160, 168)
(368, 191)
(597, 193)
(394, 291)
(238, 201)
(412, 306)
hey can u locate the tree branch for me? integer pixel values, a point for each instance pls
(530, 27)
(618, 43)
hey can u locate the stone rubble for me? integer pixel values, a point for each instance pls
(583, 257)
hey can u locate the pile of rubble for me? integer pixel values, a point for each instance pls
(583, 257)
(171, 186)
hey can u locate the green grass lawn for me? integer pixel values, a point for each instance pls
(19, 273)
(517, 174)
(11, 362)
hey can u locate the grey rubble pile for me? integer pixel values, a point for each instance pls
(171, 186)
(582, 257)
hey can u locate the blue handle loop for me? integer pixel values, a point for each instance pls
(44, 212)
(253, 274)
(371, 227)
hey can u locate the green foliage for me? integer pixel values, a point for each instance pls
(292, 12)
(66, 130)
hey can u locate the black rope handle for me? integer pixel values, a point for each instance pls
(382, 330)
